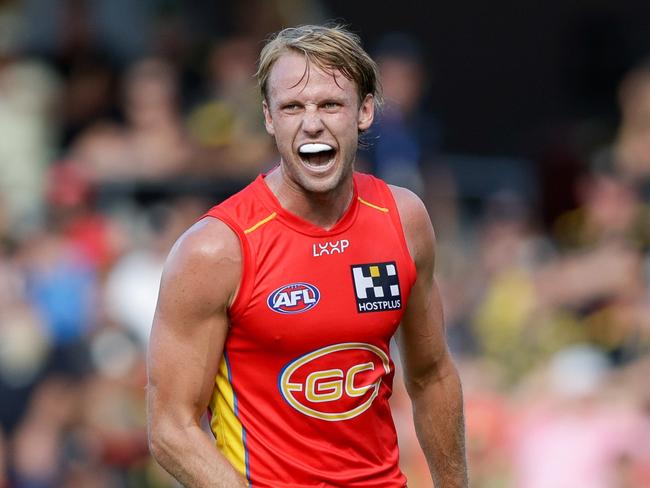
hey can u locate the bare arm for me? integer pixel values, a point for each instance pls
(430, 376)
(190, 326)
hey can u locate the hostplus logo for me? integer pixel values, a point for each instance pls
(376, 287)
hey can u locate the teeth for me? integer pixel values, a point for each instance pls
(314, 148)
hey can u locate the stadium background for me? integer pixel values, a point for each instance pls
(525, 126)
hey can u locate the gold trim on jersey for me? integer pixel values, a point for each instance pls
(372, 205)
(261, 223)
(225, 425)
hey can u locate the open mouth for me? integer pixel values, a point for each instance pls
(317, 155)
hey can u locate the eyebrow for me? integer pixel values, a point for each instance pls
(282, 102)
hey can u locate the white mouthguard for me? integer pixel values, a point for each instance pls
(314, 148)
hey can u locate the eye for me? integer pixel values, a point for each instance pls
(291, 107)
(331, 105)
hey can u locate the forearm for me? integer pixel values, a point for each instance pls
(440, 427)
(189, 456)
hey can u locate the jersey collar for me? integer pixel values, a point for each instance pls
(301, 225)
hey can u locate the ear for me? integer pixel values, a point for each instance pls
(366, 113)
(268, 120)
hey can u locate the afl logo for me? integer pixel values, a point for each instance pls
(293, 298)
(334, 383)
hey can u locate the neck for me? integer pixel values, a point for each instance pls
(321, 209)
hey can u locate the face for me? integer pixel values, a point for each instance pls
(402, 82)
(315, 117)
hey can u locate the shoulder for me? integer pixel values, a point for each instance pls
(416, 224)
(209, 252)
(411, 208)
(207, 239)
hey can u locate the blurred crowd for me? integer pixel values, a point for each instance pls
(122, 122)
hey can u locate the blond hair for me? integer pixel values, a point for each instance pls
(329, 48)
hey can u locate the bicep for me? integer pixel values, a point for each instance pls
(421, 335)
(191, 324)
(182, 365)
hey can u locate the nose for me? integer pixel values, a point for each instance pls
(312, 123)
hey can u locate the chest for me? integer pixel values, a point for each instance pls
(310, 292)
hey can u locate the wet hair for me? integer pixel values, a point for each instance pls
(328, 47)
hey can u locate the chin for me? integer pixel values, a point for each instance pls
(320, 185)
(325, 183)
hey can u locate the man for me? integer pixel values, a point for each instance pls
(276, 310)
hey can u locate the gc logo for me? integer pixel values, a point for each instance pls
(336, 382)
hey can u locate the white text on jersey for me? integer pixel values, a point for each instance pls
(326, 248)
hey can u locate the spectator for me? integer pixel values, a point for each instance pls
(28, 89)
(405, 139)
(153, 145)
(228, 125)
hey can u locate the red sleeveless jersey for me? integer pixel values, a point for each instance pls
(301, 397)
